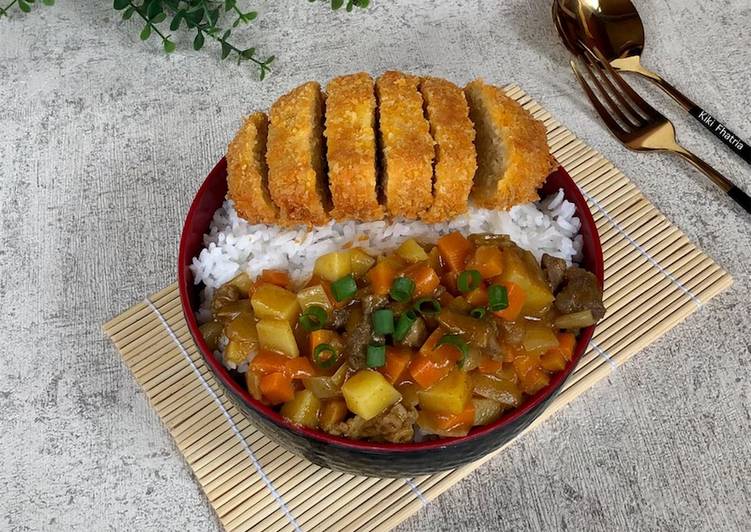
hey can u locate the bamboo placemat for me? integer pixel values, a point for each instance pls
(654, 278)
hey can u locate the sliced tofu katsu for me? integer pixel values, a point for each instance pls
(513, 158)
(297, 181)
(247, 173)
(351, 148)
(455, 157)
(406, 146)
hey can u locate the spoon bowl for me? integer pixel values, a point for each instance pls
(614, 29)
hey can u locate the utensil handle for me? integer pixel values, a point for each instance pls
(740, 197)
(717, 128)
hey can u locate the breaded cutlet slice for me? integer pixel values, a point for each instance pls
(247, 173)
(351, 147)
(297, 181)
(454, 135)
(513, 157)
(406, 146)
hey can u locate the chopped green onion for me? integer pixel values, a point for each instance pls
(404, 324)
(325, 361)
(344, 288)
(313, 318)
(383, 321)
(477, 312)
(497, 297)
(456, 341)
(401, 289)
(427, 306)
(376, 356)
(468, 280)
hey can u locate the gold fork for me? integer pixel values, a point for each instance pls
(638, 125)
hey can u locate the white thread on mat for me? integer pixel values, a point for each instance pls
(266, 480)
(643, 251)
(417, 491)
(604, 354)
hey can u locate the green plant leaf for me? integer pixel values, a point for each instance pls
(128, 13)
(169, 46)
(176, 20)
(145, 32)
(48, 2)
(229, 4)
(248, 53)
(120, 4)
(226, 50)
(336, 4)
(198, 41)
(155, 7)
(251, 15)
(23, 6)
(159, 18)
(226, 35)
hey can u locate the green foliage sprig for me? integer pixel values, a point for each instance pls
(336, 4)
(23, 5)
(203, 18)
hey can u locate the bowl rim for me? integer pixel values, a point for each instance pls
(217, 368)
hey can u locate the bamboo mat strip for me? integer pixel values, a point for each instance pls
(654, 278)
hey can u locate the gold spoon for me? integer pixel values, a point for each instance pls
(614, 28)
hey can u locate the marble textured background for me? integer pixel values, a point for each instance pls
(103, 141)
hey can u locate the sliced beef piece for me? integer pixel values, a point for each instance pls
(579, 291)
(395, 425)
(362, 333)
(554, 269)
(339, 317)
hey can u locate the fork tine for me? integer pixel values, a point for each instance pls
(614, 126)
(631, 122)
(631, 93)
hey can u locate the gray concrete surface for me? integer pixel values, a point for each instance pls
(103, 141)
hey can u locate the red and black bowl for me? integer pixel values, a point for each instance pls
(363, 457)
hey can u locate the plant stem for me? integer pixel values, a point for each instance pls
(230, 46)
(154, 28)
(4, 10)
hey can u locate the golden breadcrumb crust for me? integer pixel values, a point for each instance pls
(406, 146)
(297, 182)
(351, 147)
(512, 151)
(247, 171)
(455, 157)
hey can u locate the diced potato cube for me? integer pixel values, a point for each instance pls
(368, 393)
(450, 394)
(243, 282)
(411, 251)
(277, 335)
(538, 339)
(303, 409)
(360, 261)
(271, 301)
(486, 410)
(236, 353)
(242, 329)
(333, 266)
(253, 382)
(538, 294)
(333, 412)
(314, 295)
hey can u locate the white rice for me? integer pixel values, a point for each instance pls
(233, 245)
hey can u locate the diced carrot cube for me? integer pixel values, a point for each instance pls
(454, 249)
(426, 371)
(488, 260)
(449, 421)
(397, 362)
(381, 277)
(277, 277)
(516, 299)
(266, 362)
(425, 278)
(277, 388)
(300, 368)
